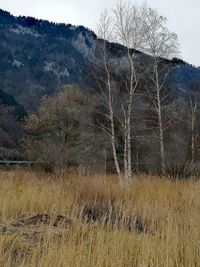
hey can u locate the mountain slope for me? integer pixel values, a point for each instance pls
(38, 57)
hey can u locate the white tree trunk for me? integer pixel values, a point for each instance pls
(129, 165)
(193, 106)
(111, 117)
(193, 138)
(132, 88)
(160, 122)
(125, 152)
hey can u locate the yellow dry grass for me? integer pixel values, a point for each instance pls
(169, 210)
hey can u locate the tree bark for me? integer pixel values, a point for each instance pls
(160, 122)
(111, 117)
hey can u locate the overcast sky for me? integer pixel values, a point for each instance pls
(183, 16)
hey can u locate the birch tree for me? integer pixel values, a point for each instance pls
(160, 44)
(124, 25)
(105, 31)
(128, 24)
(194, 108)
(139, 28)
(193, 118)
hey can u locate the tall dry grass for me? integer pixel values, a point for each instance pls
(152, 222)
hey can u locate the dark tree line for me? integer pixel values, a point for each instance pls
(69, 131)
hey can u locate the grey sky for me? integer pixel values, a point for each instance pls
(183, 16)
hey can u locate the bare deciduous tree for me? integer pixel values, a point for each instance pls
(138, 29)
(160, 44)
(124, 25)
(192, 118)
(105, 31)
(128, 28)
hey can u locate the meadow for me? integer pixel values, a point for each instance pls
(152, 222)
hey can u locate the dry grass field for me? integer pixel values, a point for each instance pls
(152, 222)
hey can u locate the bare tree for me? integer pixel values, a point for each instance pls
(105, 31)
(193, 117)
(124, 24)
(194, 105)
(128, 24)
(160, 44)
(139, 28)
